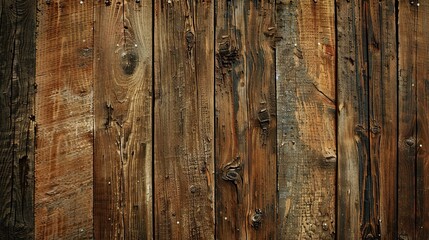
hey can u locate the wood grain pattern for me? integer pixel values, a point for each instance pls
(306, 114)
(245, 127)
(17, 74)
(355, 199)
(380, 172)
(123, 120)
(183, 120)
(407, 119)
(64, 116)
(421, 65)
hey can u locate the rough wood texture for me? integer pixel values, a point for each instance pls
(64, 153)
(123, 120)
(407, 119)
(245, 127)
(356, 208)
(413, 179)
(422, 84)
(306, 114)
(17, 73)
(183, 120)
(380, 172)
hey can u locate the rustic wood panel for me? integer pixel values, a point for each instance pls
(123, 120)
(356, 209)
(422, 84)
(183, 119)
(245, 127)
(17, 74)
(306, 114)
(407, 119)
(379, 180)
(64, 116)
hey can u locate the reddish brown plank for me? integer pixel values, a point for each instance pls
(422, 135)
(17, 74)
(306, 115)
(183, 119)
(245, 127)
(123, 120)
(64, 102)
(407, 104)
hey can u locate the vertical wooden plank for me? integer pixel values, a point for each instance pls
(17, 73)
(422, 84)
(380, 172)
(123, 120)
(306, 111)
(407, 118)
(245, 127)
(355, 201)
(64, 115)
(183, 120)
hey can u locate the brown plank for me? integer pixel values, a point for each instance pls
(422, 84)
(407, 119)
(123, 120)
(306, 113)
(64, 99)
(17, 74)
(380, 172)
(245, 126)
(183, 119)
(356, 208)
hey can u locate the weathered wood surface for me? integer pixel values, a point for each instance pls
(123, 120)
(158, 119)
(422, 84)
(367, 123)
(245, 127)
(355, 199)
(306, 115)
(64, 116)
(183, 119)
(379, 177)
(17, 74)
(413, 164)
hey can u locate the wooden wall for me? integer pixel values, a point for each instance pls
(214, 119)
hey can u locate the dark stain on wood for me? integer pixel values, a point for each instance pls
(17, 77)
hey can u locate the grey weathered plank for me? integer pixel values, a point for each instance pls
(306, 115)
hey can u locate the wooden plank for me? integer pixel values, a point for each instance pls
(245, 126)
(379, 179)
(306, 113)
(123, 120)
(64, 102)
(17, 74)
(183, 120)
(356, 208)
(422, 84)
(407, 106)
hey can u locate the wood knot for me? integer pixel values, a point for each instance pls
(231, 172)
(264, 119)
(190, 39)
(227, 55)
(129, 62)
(256, 219)
(410, 141)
